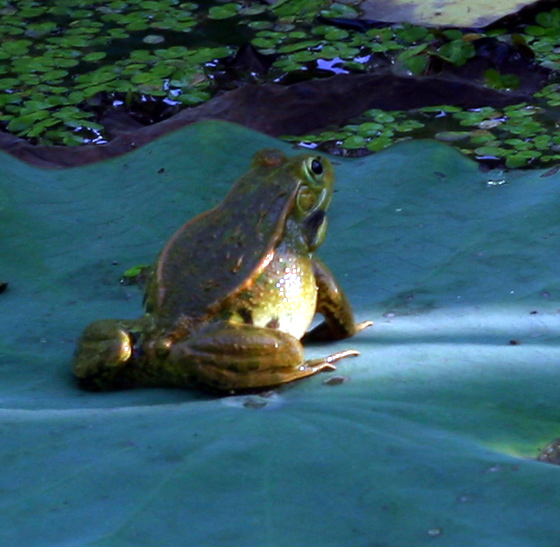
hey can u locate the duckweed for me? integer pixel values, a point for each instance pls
(55, 59)
(224, 11)
(514, 137)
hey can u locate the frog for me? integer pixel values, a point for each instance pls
(231, 297)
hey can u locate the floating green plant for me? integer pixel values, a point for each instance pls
(70, 54)
(516, 136)
(223, 11)
(137, 275)
(374, 131)
(57, 59)
(496, 80)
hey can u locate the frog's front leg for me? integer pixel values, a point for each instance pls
(333, 305)
(234, 357)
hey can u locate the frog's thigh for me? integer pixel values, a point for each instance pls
(234, 357)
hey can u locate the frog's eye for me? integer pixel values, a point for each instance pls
(317, 167)
(315, 186)
(314, 168)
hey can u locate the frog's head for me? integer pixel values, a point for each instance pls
(316, 180)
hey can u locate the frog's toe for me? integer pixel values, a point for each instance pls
(363, 325)
(104, 346)
(326, 364)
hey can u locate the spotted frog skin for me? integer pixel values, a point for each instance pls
(233, 293)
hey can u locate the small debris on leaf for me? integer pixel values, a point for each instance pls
(137, 275)
(550, 453)
(254, 402)
(336, 380)
(551, 171)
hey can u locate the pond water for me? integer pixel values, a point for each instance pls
(65, 66)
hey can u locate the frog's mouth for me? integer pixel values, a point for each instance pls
(315, 228)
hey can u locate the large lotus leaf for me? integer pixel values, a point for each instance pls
(433, 437)
(457, 13)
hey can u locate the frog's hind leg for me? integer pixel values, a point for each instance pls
(229, 357)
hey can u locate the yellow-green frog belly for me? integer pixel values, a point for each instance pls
(283, 296)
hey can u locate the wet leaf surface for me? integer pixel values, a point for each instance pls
(435, 435)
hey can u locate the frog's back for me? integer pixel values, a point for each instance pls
(218, 251)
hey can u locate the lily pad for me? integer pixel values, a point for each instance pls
(225, 11)
(455, 13)
(433, 431)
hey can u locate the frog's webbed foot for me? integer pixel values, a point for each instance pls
(363, 325)
(326, 364)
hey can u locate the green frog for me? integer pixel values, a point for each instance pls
(233, 292)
